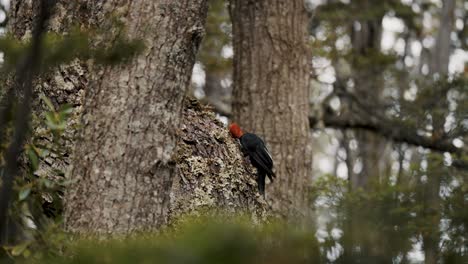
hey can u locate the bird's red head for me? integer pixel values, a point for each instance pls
(235, 130)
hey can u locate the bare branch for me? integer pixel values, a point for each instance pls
(384, 127)
(390, 130)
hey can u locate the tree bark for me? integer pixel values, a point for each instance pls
(271, 91)
(123, 166)
(157, 179)
(211, 170)
(65, 85)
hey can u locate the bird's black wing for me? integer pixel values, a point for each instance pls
(262, 157)
(258, 153)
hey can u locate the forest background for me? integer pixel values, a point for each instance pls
(362, 103)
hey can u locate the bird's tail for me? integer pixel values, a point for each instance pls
(271, 175)
(261, 182)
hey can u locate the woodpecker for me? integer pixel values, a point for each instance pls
(259, 156)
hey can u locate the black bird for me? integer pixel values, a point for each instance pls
(259, 155)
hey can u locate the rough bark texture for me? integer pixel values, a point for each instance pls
(123, 165)
(64, 86)
(131, 197)
(271, 91)
(211, 171)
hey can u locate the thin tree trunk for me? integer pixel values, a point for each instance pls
(439, 65)
(366, 36)
(215, 94)
(368, 86)
(123, 164)
(271, 91)
(26, 70)
(441, 55)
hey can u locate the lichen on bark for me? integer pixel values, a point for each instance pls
(211, 172)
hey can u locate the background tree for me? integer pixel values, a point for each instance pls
(404, 102)
(216, 59)
(271, 91)
(439, 67)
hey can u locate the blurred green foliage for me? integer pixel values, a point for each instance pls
(383, 223)
(218, 36)
(60, 49)
(197, 239)
(420, 203)
(378, 226)
(37, 206)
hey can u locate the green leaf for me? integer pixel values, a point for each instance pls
(33, 158)
(47, 183)
(66, 109)
(24, 193)
(47, 102)
(26, 253)
(19, 249)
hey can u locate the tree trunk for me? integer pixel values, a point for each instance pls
(432, 200)
(368, 87)
(441, 54)
(271, 91)
(123, 166)
(211, 170)
(206, 171)
(63, 86)
(215, 94)
(366, 37)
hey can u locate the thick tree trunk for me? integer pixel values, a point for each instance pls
(123, 165)
(209, 171)
(271, 91)
(65, 85)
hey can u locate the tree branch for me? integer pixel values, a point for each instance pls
(390, 130)
(384, 127)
